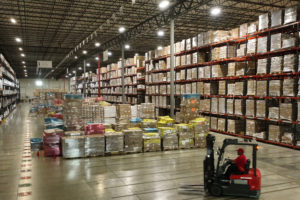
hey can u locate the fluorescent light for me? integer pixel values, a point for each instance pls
(109, 53)
(75, 57)
(127, 46)
(122, 29)
(159, 48)
(38, 83)
(22, 54)
(74, 72)
(23, 62)
(70, 74)
(18, 39)
(24, 66)
(97, 44)
(96, 58)
(88, 64)
(52, 70)
(215, 11)
(13, 20)
(136, 54)
(160, 33)
(25, 70)
(66, 76)
(20, 49)
(164, 4)
(79, 68)
(84, 52)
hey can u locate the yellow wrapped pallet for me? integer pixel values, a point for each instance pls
(200, 125)
(152, 142)
(200, 140)
(149, 123)
(165, 121)
(186, 143)
(109, 130)
(163, 131)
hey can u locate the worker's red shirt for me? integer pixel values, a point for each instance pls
(240, 162)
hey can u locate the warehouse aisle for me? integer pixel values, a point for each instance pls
(137, 176)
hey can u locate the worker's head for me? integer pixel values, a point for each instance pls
(240, 151)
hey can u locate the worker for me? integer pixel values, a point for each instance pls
(237, 165)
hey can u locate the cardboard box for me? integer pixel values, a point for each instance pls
(230, 88)
(286, 111)
(200, 39)
(177, 61)
(262, 66)
(133, 140)
(221, 124)
(263, 21)
(291, 14)
(114, 142)
(240, 69)
(289, 63)
(239, 104)
(251, 68)
(214, 123)
(222, 104)
(183, 60)
(276, 18)
(275, 133)
(254, 126)
(276, 41)
(250, 108)
(251, 87)
(262, 44)
(275, 88)
(222, 87)
(261, 108)
(182, 74)
(182, 91)
(239, 88)
(231, 69)
(288, 87)
(252, 27)
(287, 138)
(214, 105)
(201, 72)
(170, 142)
(276, 64)
(274, 113)
(235, 126)
(243, 29)
(218, 71)
(109, 111)
(261, 88)
(94, 145)
(252, 46)
(207, 72)
(200, 87)
(241, 50)
(123, 113)
(230, 106)
(152, 142)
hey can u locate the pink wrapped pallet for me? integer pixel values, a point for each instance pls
(52, 142)
(52, 150)
(92, 129)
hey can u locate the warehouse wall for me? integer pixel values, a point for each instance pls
(28, 86)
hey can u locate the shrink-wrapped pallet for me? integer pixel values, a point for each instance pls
(73, 146)
(114, 142)
(152, 142)
(222, 87)
(201, 72)
(186, 143)
(205, 105)
(252, 46)
(276, 18)
(170, 142)
(239, 88)
(123, 112)
(200, 140)
(147, 111)
(149, 123)
(207, 73)
(214, 105)
(262, 66)
(240, 69)
(287, 138)
(286, 111)
(211, 88)
(121, 126)
(274, 113)
(261, 87)
(289, 63)
(275, 133)
(263, 21)
(231, 69)
(250, 108)
(214, 123)
(239, 104)
(222, 103)
(254, 126)
(252, 27)
(133, 140)
(288, 87)
(200, 39)
(235, 126)
(221, 124)
(241, 50)
(186, 135)
(230, 106)
(243, 29)
(73, 112)
(276, 41)
(194, 42)
(291, 14)
(230, 88)
(261, 108)
(288, 40)
(251, 87)
(200, 125)
(262, 44)
(234, 33)
(218, 71)
(276, 64)
(275, 88)
(109, 111)
(200, 86)
(94, 145)
(251, 68)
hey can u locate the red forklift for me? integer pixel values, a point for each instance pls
(246, 184)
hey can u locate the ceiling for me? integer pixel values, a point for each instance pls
(51, 29)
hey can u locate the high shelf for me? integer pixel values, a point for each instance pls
(9, 89)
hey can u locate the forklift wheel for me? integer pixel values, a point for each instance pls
(215, 190)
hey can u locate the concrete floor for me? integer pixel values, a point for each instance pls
(147, 176)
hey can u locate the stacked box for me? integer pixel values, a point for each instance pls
(152, 142)
(120, 126)
(239, 88)
(186, 135)
(286, 111)
(261, 108)
(231, 69)
(221, 124)
(214, 105)
(73, 113)
(252, 27)
(170, 142)
(230, 106)
(94, 145)
(221, 105)
(200, 87)
(276, 64)
(250, 107)
(275, 133)
(276, 18)
(214, 123)
(287, 138)
(291, 14)
(276, 41)
(149, 123)
(241, 50)
(239, 104)
(288, 40)
(123, 113)
(262, 66)
(210, 88)
(235, 126)
(274, 113)
(262, 44)
(200, 140)
(147, 111)
(230, 88)
(91, 129)
(275, 88)
(114, 142)
(222, 87)
(289, 63)
(215, 53)
(205, 105)
(240, 69)
(207, 73)
(133, 140)
(261, 87)
(252, 45)
(251, 68)
(288, 87)
(218, 71)
(73, 146)
(251, 87)
(254, 126)
(243, 29)
(263, 21)
(52, 141)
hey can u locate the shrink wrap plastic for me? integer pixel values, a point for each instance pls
(214, 123)
(261, 108)
(262, 66)
(287, 138)
(73, 146)
(222, 105)
(251, 87)
(230, 106)
(262, 44)
(239, 88)
(254, 127)
(276, 64)
(170, 142)
(238, 106)
(261, 87)
(250, 108)
(133, 140)
(152, 142)
(289, 63)
(291, 14)
(275, 88)
(276, 41)
(222, 87)
(286, 111)
(221, 124)
(276, 18)
(214, 105)
(147, 111)
(252, 45)
(275, 132)
(288, 87)
(114, 142)
(91, 129)
(274, 113)
(263, 21)
(94, 145)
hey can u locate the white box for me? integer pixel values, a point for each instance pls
(109, 111)
(109, 120)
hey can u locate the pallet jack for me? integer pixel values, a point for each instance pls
(247, 184)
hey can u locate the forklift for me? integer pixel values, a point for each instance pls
(246, 184)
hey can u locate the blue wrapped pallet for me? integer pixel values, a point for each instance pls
(150, 130)
(36, 144)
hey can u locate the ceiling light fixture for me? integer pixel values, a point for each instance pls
(159, 48)
(66, 76)
(23, 62)
(22, 54)
(97, 44)
(127, 46)
(74, 72)
(88, 64)
(96, 58)
(160, 33)
(122, 29)
(84, 52)
(164, 4)
(75, 57)
(70, 74)
(18, 39)
(109, 53)
(24, 66)
(13, 20)
(38, 83)
(52, 70)
(215, 11)
(20, 49)
(79, 68)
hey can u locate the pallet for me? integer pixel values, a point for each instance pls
(114, 153)
(170, 149)
(280, 72)
(152, 151)
(183, 148)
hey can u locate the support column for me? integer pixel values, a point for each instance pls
(172, 99)
(84, 81)
(99, 77)
(123, 71)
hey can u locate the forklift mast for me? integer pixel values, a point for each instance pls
(209, 161)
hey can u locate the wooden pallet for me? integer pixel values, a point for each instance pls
(114, 153)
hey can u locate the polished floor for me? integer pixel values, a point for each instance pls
(149, 176)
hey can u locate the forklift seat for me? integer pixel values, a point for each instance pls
(247, 167)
